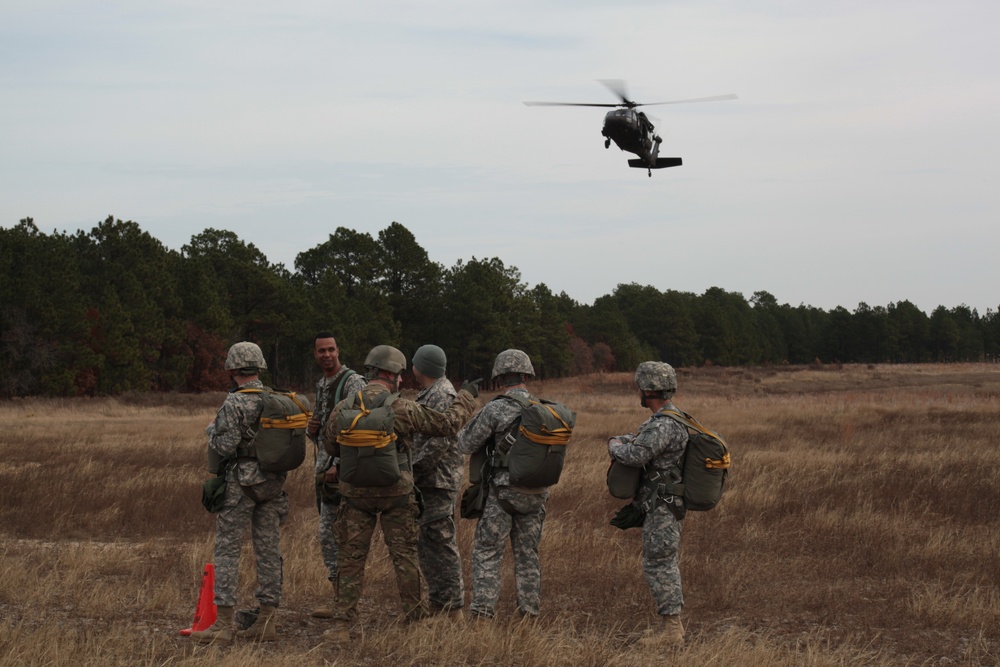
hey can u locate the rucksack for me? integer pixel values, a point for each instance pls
(534, 450)
(702, 470)
(279, 444)
(367, 439)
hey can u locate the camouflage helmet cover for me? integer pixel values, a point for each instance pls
(656, 376)
(386, 358)
(245, 355)
(513, 361)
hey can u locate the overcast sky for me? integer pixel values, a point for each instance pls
(860, 162)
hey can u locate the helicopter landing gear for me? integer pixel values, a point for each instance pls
(607, 142)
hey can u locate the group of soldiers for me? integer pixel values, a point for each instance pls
(433, 433)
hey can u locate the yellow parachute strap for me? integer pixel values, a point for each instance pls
(559, 436)
(353, 437)
(292, 422)
(691, 422)
(365, 438)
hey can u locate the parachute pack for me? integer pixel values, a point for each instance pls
(279, 444)
(535, 449)
(367, 439)
(700, 476)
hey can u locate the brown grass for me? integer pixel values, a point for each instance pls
(859, 528)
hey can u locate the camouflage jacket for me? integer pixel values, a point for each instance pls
(437, 463)
(237, 417)
(325, 400)
(409, 418)
(490, 425)
(658, 443)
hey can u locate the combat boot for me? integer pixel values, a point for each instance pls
(263, 628)
(339, 632)
(220, 632)
(325, 612)
(670, 634)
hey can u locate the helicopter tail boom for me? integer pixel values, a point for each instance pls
(661, 163)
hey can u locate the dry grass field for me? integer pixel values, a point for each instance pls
(860, 527)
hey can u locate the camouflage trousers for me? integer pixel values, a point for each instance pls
(327, 540)
(263, 519)
(519, 516)
(354, 528)
(661, 549)
(440, 560)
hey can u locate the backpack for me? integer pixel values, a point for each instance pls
(534, 450)
(367, 439)
(279, 444)
(702, 470)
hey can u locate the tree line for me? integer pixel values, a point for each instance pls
(113, 310)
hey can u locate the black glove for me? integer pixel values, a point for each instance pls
(472, 386)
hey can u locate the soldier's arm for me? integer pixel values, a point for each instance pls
(411, 417)
(477, 432)
(654, 438)
(225, 433)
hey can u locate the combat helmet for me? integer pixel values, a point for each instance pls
(245, 355)
(656, 376)
(386, 358)
(513, 361)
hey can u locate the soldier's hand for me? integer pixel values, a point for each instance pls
(472, 386)
(312, 428)
(331, 476)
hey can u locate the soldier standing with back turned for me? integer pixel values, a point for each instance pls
(254, 499)
(337, 382)
(437, 472)
(511, 511)
(657, 446)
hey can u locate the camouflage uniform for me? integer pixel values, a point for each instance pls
(509, 511)
(253, 498)
(437, 472)
(659, 444)
(361, 507)
(325, 389)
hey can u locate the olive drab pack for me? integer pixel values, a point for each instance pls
(534, 451)
(367, 439)
(699, 478)
(279, 441)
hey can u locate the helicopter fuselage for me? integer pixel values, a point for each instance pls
(632, 132)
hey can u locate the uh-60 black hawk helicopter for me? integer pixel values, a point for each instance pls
(631, 130)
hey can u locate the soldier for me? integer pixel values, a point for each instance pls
(658, 445)
(512, 511)
(437, 472)
(337, 382)
(254, 499)
(394, 506)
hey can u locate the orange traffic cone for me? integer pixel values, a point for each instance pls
(204, 613)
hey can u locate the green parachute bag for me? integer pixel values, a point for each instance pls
(704, 468)
(279, 444)
(535, 450)
(367, 439)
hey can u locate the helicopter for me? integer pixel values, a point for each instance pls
(632, 130)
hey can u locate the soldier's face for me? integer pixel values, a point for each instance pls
(326, 353)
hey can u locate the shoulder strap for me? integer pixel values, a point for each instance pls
(338, 394)
(692, 423)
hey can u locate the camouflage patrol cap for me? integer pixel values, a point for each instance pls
(656, 376)
(386, 358)
(513, 361)
(430, 360)
(245, 355)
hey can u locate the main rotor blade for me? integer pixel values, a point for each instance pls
(714, 98)
(567, 104)
(617, 86)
